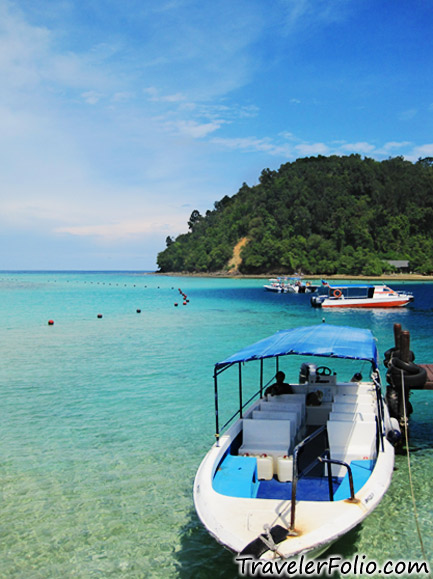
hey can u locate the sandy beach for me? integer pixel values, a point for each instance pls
(397, 277)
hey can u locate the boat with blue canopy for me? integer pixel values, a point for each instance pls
(297, 465)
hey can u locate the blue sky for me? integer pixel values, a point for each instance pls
(120, 117)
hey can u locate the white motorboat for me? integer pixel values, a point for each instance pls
(360, 296)
(294, 472)
(278, 285)
(292, 285)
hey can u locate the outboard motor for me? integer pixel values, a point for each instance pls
(307, 373)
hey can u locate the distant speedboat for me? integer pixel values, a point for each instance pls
(360, 296)
(278, 285)
(296, 471)
(293, 285)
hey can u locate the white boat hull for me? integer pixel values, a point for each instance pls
(380, 302)
(304, 465)
(369, 297)
(235, 522)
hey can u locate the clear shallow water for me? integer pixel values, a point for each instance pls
(105, 421)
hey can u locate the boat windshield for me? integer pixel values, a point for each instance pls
(350, 291)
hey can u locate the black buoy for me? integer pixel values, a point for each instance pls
(138, 311)
(99, 316)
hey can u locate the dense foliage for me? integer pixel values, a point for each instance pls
(323, 215)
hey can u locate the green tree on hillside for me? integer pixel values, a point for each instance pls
(321, 215)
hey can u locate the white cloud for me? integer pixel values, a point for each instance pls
(393, 145)
(254, 144)
(121, 97)
(295, 147)
(307, 14)
(104, 127)
(288, 136)
(112, 232)
(193, 129)
(155, 96)
(361, 147)
(249, 111)
(407, 115)
(91, 97)
(420, 152)
(309, 149)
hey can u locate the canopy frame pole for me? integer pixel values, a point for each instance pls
(380, 411)
(240, 390)
(261, 377)
(217, 432)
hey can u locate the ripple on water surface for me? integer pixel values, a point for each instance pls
(105, 421)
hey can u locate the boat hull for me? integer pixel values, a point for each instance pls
(234, 522)
(356, 296)
(365, 303)
(298, 469)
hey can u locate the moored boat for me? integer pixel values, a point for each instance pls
(360, 296)
(290, 285)
(295, 471)
(278, 285)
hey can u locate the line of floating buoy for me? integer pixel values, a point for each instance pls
(99, 316)
(184, 296)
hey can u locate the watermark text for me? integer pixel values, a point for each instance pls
(359, 566)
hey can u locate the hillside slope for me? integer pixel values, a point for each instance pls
(322, 215)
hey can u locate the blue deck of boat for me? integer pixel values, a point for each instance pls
(309, 488)
(237, 477)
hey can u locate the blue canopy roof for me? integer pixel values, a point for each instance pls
(319, 340)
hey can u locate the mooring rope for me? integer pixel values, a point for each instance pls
(269, 541)
(415, 512)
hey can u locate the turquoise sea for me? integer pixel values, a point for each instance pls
(104, 420)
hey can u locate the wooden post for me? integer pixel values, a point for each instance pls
(397, 333)
(404, 346)
(405, 390)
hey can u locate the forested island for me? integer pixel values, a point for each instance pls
(316, 215)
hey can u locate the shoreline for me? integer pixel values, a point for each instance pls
(389, 278)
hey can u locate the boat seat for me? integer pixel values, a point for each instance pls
(335, 415)
(289, 399)
(265, 415)
(361, 471)
(351, 441)
(276, 410)
(350, 407)
(271, 437)
(355, 398)
(351, 416)
(295, 406)
(347, 388)
(237, 477)
(356, 388)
